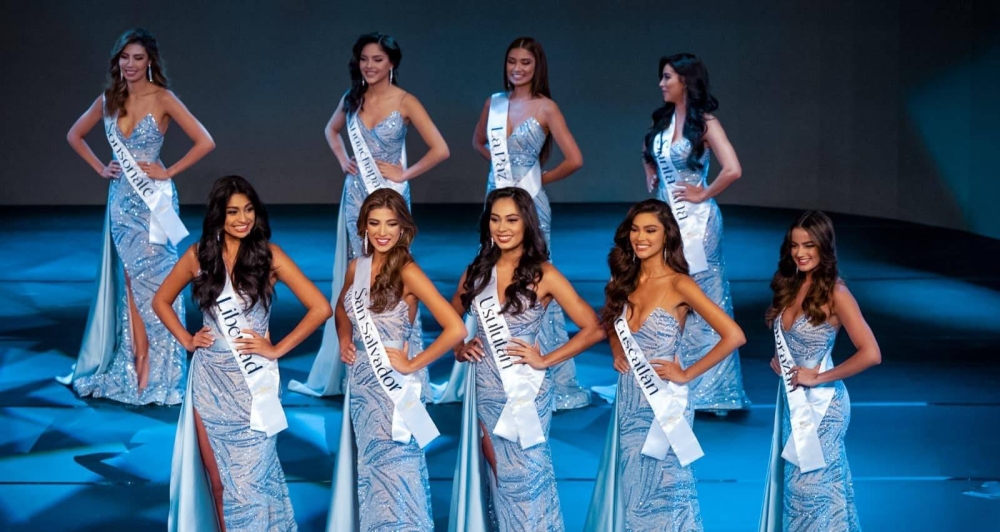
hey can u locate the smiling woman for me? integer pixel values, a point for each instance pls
(144, 364)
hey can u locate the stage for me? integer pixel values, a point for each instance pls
(924, 430)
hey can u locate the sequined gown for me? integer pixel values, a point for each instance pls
(524, 495)
(106, 364)
(820, 500)
(652, 495)
(386, 143)
(393, 486)
(255, 495)
(524, 144)
(721, 387)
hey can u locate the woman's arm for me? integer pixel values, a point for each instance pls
(345, 333)
(479, 137)
(437, 148)
(336, 142)
(183, 273)
(203, 143)
(75, 137)
(554, 284)
(731, 170)
(471, 351)
(867, 355)
(573, 159)
(417, 283)
(732, 336)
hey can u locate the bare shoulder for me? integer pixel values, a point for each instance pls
(412, 272)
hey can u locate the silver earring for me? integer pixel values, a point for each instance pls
(363, 83)
(218, 236)
(366, 242)
(121, 74)
(492, 243)
(392, 75)
(149, 71)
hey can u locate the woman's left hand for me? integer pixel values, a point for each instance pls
(527, 353)
(806, 377)
(257, 345)
(690, 193)
(155, 170)
(392, 172)
(669, 370)
(399, 360)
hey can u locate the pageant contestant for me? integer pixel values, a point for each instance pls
(809, 481)
(515, 133)
(232, 413)
(506, 288)
(127, 355)
(676, 157)
(375, 112)
(387, 417)
(651, 444)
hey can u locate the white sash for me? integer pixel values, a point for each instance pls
(807, 406)
(409, 415)
(496, 134)
(164, 223)
(261, 374)
(667, 399)
(367, 169)
(691, 217)
(521, 383)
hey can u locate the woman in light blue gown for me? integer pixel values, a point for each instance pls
(810, 305)
(533, 121)
(218, 431)
(392, 486)
(127, 355)
(383, 111)
(649, 282)
(688, 107)
(521, 481)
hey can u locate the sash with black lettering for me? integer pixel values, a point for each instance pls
(691, 217)
(519, 419)
(409, 415)
(496, 135)
(260, 374)
(368, 170)
(164, 223)
(807, 406)
(667, 399)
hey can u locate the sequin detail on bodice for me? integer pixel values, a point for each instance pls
(523, 146)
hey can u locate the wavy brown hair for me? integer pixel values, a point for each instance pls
(116, 90)
(539, 81)
(388, 286)
(622, 261)
(788, 280)
(534, 253)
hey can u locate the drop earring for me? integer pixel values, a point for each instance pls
(366, 242)
(363, 82)
(121, 74)
(149, 72)
(392, 75)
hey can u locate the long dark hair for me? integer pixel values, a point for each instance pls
(252, 270)
(116, 90)
(534, 253)
(622, 261)
(699, 103)
(787, 279)
(388, 286)
(539, 81)
(354, 100)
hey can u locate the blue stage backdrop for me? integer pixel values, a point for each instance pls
(866, 107)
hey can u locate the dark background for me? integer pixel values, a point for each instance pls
(879, 108)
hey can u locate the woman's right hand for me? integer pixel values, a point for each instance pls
(775, 365)
(202, 338)
(351, 168)
(471, 351)
(112, 170)
(348, 352)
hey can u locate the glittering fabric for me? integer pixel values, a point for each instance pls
(146, 265)
(524, 144)
(524, 496)
(393, 486)
(821, 500)
(254, 493)
(659, 495)
(721, 387)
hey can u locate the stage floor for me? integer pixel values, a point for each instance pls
(924, 431)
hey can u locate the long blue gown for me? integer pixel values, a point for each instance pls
(106, 363)
(642, 493)
(721, 387)
(820, 500)
(255, 495)
(386, 142)
(524, 144)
